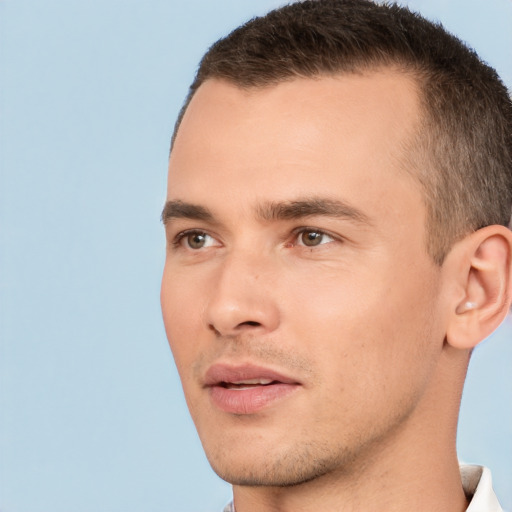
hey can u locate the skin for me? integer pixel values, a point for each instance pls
(359, 320)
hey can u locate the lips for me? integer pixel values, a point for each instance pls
(246, 389)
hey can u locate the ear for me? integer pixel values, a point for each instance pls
(480, 270)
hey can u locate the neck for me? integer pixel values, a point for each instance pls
(414, 469)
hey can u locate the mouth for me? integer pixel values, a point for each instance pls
(247, 384)
(246, 389)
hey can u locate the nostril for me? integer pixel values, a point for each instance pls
(240, 327)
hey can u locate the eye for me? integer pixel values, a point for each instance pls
(313, 237)
(195, 240)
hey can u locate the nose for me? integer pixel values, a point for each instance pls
(243, 298)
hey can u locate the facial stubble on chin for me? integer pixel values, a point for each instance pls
(281, 470)
(310, 459)
(295, 467)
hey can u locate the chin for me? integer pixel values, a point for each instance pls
(274, 469)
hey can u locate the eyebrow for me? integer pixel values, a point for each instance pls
(181, 210)
(289, 210)
(273, 211)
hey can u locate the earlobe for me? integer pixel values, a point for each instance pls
(481, 265)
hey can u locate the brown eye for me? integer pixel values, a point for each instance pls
(196, 240)
(311, 238)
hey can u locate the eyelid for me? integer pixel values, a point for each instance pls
(298, 231)
(178, 239)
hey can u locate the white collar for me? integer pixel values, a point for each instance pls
(477, 484)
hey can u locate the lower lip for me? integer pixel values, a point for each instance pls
(249, 400)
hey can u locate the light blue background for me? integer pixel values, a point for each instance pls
(91, 412)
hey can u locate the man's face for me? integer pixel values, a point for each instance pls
(298, 298)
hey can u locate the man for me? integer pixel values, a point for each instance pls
(340, 186)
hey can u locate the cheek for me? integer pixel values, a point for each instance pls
(181, 315)
(367, 336)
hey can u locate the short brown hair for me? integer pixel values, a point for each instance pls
(462, 154)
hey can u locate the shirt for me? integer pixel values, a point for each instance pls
(477, 484)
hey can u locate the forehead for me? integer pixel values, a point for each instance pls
(335, 136)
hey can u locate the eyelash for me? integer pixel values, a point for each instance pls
(180, 237)
(300, 231)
